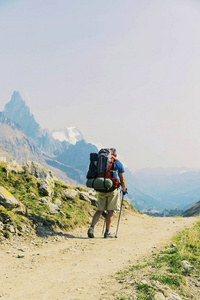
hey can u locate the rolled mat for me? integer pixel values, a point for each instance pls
(100, 184)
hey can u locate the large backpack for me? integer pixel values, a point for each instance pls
(102, 175)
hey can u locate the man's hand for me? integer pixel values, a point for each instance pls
(125, 192)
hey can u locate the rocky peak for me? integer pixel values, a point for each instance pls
(17, 111)
(6, 121)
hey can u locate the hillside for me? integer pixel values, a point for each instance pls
(67, 153)
(171, 188)
(51, 205)
(194, 210)
(69, 161)
(15, 142)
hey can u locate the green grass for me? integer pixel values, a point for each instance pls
(166, 266)
(25, 189)
(172, 280)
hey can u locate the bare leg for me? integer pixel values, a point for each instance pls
(96, 217)
(109, 219)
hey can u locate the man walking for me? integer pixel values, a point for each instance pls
(109, 201)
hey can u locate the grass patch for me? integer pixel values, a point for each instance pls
(172, 280)
(166, 268)
(25, 188)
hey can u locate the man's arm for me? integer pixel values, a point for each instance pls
(122, 181)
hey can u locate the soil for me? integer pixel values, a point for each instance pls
(72, 266)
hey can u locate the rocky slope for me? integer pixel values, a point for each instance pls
(17, 111)
(194, 210)
(33, 199)
(17, 143)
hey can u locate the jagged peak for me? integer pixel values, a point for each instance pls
(16, 102)
(16, 97)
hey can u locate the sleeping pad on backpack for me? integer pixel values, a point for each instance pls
(100, 184)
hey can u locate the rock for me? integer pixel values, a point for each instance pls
(84, 196)
(38, 171)
(22, 228)
(46, 188)
(7, 199)
(87, 197)
(58, 202)
(20, 256)
(69, 194)
(14, 167)
(45, 200)
(173, 296)
(186, 265)
(43, 175)
(21, 209)
(159, 296)
(143, 282)
(10, 228)
(1, 226)
(54, 209)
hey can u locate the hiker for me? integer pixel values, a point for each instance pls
(109, 201)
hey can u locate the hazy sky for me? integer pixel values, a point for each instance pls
(126, 73)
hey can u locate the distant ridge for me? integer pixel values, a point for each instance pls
(67, 153)
(69, 134)
(193, 211)
(17, 143)
(17, 111)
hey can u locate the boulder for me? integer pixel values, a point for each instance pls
(69, 194)
(10, 228)
(38, 171)
(14, 167)
(173, 296)
(1, 226)
(7, 199)
(54, 209)
(84, 196)
(46, 188)
(21, 209)
(159, 296)
(45, 176)
(45, 200)
(58, 202)
(187, 266)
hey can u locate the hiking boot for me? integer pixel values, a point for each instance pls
(91, 232)
(108, 235)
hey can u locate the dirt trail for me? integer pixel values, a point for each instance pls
(82, 268)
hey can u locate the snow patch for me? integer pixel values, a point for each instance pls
(69, 134)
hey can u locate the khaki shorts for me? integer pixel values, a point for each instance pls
(109, 201)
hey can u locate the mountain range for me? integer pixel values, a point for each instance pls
(67, 153)
(171, 187)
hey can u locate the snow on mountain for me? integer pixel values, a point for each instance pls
(69, 134)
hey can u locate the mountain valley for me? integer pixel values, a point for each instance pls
(67, 153)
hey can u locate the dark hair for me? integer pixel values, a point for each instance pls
(114, 151)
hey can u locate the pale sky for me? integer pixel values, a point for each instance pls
(126, 73)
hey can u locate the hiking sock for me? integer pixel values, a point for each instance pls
(107, 230)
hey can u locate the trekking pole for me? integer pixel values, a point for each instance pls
(119, 214)
(104, 226)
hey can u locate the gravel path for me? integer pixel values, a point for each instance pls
(77, 267)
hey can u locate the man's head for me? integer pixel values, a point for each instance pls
(114, 151)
